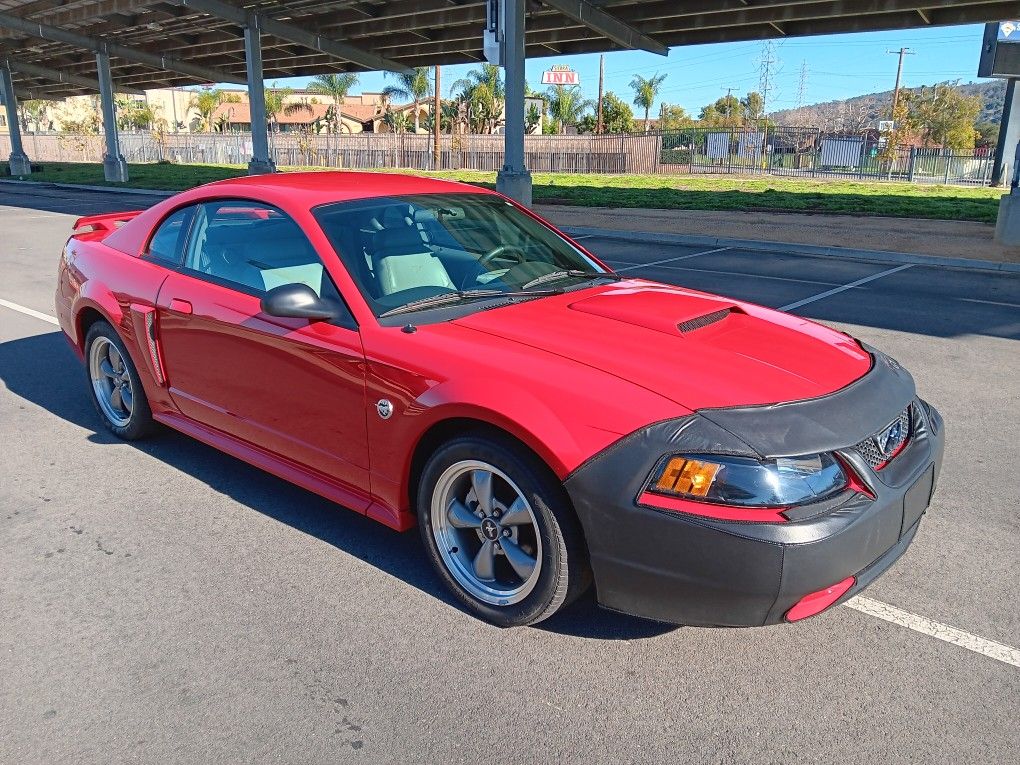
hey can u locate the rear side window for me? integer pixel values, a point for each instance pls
(167, 243)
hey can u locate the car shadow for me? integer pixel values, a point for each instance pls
(42, 370)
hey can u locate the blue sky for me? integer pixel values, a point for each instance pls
(839, 66)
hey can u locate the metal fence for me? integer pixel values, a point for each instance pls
(786, 151)
(808, 152)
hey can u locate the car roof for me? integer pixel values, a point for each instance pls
(315, 188)
(289, 191)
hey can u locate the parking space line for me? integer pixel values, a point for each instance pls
(990, 648)
(989, 302)
(878, 609)
(28, 311)
(695, 269)
(671, 260)
(844, 288)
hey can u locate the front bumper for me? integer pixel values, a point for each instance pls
(689, 569)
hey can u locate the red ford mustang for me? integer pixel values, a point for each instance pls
(430, 353)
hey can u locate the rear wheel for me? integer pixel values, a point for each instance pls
(116, 389)
(499, 530)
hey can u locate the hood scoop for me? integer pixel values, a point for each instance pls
(663, 311)
(701, 322)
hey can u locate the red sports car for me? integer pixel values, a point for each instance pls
(431, 353)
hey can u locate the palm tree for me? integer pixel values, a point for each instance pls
(205, 103)
(415, 85)
(482, 91)
(646, 91)
(276, 104)
(566, 105)
(336, 87)
(396, 121)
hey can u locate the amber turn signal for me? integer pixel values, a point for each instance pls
(684, 476)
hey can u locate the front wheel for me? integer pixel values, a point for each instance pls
(499, 530)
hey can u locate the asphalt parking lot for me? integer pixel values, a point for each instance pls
(163, 602)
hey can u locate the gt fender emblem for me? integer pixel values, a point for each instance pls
(384, 408)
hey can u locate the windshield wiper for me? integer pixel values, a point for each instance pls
(446, 298)
(556, 275)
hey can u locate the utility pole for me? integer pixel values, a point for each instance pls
(899, 75)
(437, 118)
(729, 103)
(602, 77)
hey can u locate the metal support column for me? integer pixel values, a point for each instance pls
(260, 160)
(1009, 134)
(514, 180)
(18, 161)
(114, 166)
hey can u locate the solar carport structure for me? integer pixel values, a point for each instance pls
(56, 48)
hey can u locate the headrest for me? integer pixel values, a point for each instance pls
(404, 241)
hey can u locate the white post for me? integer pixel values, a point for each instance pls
(18, 161)
(514, 180)
(114, 166)
(260, 161)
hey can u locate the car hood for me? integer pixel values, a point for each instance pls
(696, 349)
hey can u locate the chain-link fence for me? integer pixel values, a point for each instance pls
(786, 151)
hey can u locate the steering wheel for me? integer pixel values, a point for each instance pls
(502, 249)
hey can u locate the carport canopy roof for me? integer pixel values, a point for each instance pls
(309, 37)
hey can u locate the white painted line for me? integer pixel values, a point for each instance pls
(671, 260)
(844, 288)
(989, 302)
(583, 236)
(28, 311)
(991, 649)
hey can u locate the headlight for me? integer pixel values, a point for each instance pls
(745, 482)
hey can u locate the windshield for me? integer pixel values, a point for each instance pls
(410, 253)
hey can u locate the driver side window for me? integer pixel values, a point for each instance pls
(254, 247)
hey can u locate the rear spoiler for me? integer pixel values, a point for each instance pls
(105, 224)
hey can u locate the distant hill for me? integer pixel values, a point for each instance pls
(865, 111)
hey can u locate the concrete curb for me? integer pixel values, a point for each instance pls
(80, 187)
(874, 256)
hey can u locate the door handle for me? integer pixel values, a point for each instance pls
(180, 306)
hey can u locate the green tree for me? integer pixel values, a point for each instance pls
(566, 105)
(752, 106)
(646, 90)
(415, 85)
(723, 112)
(335, 87)
(276, 104)
(988, 133)
(943, 116)
(447, 118)
(532, 118)
(34, 112)
(395, 120)
(482, 90)
(205, 103)
(674, 117)
(617, 116)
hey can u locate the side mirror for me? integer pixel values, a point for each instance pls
(296, 301)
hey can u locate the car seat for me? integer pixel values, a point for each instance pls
(401, 261)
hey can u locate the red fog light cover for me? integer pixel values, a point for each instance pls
(817, 602)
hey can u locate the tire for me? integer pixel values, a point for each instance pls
(520, 514)
(113, 381)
